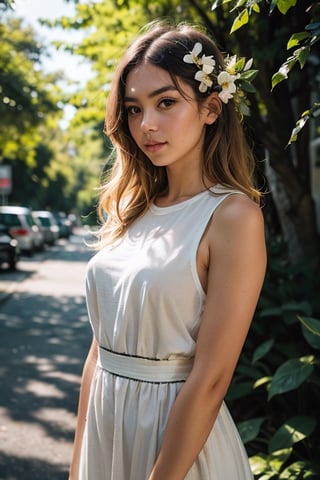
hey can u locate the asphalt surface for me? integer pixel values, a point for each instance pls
(44, 337)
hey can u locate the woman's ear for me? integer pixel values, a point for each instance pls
(212, 108)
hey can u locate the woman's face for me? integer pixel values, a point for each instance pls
(168, 127)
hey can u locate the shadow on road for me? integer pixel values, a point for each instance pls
(14, 469)
(41, 359)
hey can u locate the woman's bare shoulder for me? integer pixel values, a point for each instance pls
(238, 212)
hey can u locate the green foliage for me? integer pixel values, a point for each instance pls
(276, 385)
(26, 95)
(7, 4)
(302, 40)
(44, 158)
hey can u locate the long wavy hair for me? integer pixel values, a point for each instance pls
(134, 182)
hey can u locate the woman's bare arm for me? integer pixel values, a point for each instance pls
(87, 375)
(236, 269)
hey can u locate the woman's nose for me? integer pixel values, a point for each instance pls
(149, 122)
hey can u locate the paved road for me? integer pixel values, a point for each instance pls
(44, 336)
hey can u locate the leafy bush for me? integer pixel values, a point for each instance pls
(275, 394)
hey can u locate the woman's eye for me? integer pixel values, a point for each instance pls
(133, 110)
(167, 102)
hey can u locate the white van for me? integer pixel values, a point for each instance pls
(22, 226)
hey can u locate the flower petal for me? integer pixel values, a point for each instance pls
(207, 68)
(203, 87)
(248, 64)
(196, 49)
(188, 58)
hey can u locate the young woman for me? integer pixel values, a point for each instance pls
(173, 289)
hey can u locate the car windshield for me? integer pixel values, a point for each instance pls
(45, 221)
(10, 219)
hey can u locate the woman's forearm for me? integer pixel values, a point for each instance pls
(88, 371)
(190, 422)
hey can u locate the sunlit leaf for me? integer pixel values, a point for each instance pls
(261, 381)
(292, 431)
(258, 464)
(278, 458)
(284, 5)
(296, 39)
(256, 8)
(302, 55)
(240, 20)
(277, 78)
(298, 470)
(290, 375)
(297, 129)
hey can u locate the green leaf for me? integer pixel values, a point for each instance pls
(293, 431)
(250, 429)
(298, 470)
(311, 331)
(273, 5)
(296, 39)
(269, 466)
(246, 86)
(290, 375)
(218, 3)
(262, 350)
(256, 8)
(299, 126)
(261, 381)
(285, 68)
(313, 340)
(311, 324)
(277, 459)
(302, 55)
(249, 75)
(284, 5)
(258, 463)
(277, 78)
(314, 28)
(240, 20)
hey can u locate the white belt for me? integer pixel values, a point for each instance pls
(145, 369)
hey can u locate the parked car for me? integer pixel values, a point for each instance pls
(9, 249)
(64, 224)
(49, 225)
(22, 227)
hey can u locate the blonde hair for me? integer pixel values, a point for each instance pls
(134, 182)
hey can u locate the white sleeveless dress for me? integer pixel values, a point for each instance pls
(145, 302)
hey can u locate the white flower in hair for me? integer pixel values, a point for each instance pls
(227, 83)
(208, 64)
(231, 83)
(204, 79)
(192, 57)
(205, 64)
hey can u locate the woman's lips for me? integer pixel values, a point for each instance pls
(154, 146)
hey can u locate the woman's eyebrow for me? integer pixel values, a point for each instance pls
(164, 89)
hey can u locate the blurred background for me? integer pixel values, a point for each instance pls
(57, 59)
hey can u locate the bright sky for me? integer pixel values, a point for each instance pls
(31, 11)
(74, 68)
